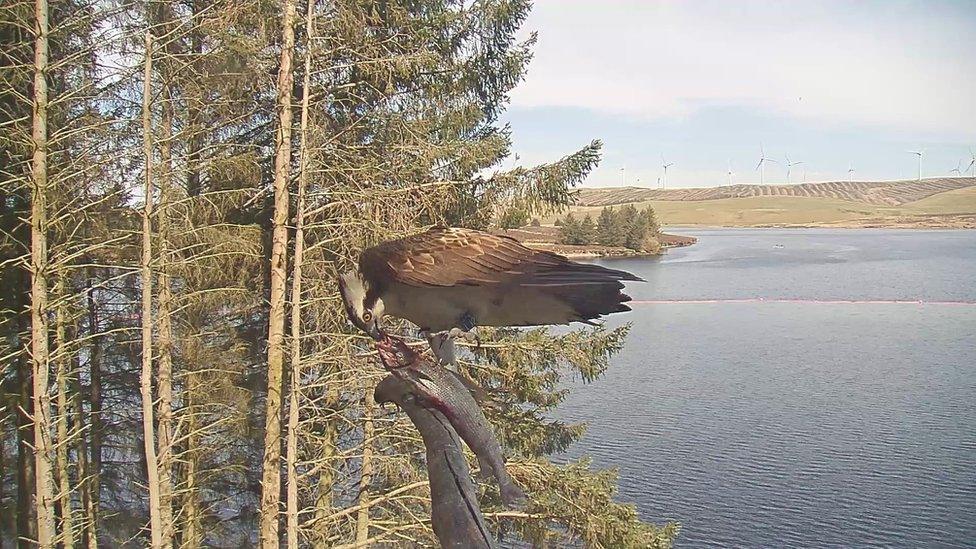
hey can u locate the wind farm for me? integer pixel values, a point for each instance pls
(761, 166)
(665, 165)
(942, 202)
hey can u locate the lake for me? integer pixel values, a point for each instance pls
(796, 421)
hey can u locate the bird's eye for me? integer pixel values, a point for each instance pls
(367, 316)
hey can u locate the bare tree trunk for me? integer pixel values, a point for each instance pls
(3, 476)
(192, 535)
(366, 472)
(271, 478)
(62, 360)
(88, 536)
(95, 401)
(191, 509)
(323, 504)
(296, 292)
(194, 101)
(43, 482)
(165, 348)
(145, 381)
(26, 525)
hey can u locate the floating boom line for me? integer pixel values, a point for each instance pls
(801, 301)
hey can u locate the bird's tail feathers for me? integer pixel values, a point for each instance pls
(592, 301)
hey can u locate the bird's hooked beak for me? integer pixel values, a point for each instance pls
(373, 329)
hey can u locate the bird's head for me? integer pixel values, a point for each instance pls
(363, 310)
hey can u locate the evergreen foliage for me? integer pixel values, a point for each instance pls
(626, 227)
(587, 230)
(514, 218)
(570, 231)
(395, 129)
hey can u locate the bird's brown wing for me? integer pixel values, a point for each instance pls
(451, 257)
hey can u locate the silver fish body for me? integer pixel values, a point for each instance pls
(442, 390)
(455, 514)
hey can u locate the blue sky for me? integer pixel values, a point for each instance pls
(832, 84)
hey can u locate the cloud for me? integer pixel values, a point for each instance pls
(903, 66)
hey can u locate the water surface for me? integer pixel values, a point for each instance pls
(807, 424)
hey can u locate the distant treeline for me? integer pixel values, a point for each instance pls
(626, 227)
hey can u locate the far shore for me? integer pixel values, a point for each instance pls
(547, 238)
(948, 203)
(929, 223)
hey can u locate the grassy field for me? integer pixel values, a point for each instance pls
(879, 193)
(956, 208)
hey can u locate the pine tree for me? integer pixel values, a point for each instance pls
(39, 268)
(271, 477)
(636, 230)
(514, 217)
(399, 131)
(587, 230)
(650, 221)
(606, 234)
(570, 231)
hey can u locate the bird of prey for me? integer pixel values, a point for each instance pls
(448, 280)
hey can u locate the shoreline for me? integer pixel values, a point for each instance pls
(592, 252)
(544, 238)
(959, 224)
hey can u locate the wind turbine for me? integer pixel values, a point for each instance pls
(623, 175)
(761, 166)
(850, 173)
(665, 164)
(919, 155)
(972, 162)
(957, 170)
(731, 174)
(789, 167)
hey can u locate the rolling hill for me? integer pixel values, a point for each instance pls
(931, 203)
(881, 193)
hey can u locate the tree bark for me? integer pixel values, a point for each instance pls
(366, 472)
(4, 526)
(323, 503)
(43, 481)
(271, 478)
(192, 533)
(62, 360)
(88, 537)
(145, 381)
(296, 293)
(95, 401)
(26, 524)
(165, 334)
(194, 102)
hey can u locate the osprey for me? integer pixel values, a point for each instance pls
(452, 280)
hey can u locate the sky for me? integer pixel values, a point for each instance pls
(706, 84)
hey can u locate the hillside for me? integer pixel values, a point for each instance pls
(931, 203)
(880, 193)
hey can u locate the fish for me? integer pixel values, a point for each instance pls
(454, 510)
(441, 389)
